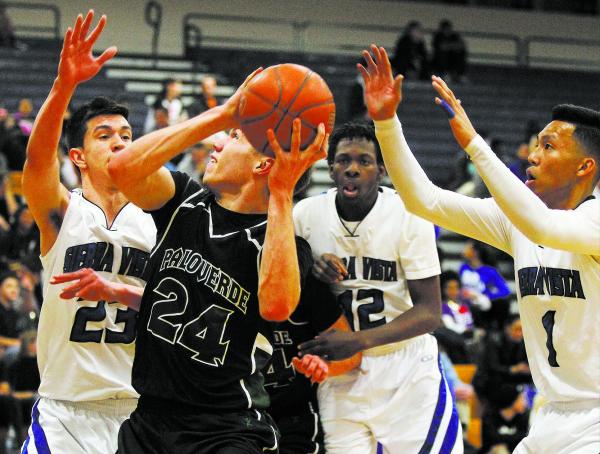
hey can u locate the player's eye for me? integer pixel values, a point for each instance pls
(126, 137)
(547, 146)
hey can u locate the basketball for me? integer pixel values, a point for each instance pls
(278, 95)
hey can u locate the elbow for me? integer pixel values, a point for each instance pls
(273, 308)
(431, 323)
(274, 314)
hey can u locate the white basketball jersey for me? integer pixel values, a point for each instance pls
(559, 302)
(86, 348)
(389, 246)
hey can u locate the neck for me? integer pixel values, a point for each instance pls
(475, 263)
(569, 200)
(248, 199)
(354, 211)
(110, 200)
(5, 303)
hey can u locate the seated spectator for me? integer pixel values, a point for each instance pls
(25, 240)
(410, 56)
(357, 110)
(13, 145)
(519, 164)
(503, 360)
(449, 52)
(170, 99)
(207, 98)
(24, 116)
(506, 420)
(24, 380)
(478, 276)
(11, 324)
(457, 321)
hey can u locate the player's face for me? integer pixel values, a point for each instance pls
(231, 163)
(105, 135)
(356, 172)
(554, 163)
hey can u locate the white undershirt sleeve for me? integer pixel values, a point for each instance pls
(477, 218)
(572, 230)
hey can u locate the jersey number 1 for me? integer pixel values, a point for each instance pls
(548, 322)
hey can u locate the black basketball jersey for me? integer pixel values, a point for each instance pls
(201, 342)
(291, 391)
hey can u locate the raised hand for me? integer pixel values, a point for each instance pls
(332, 345)
(290, 166)
(232, 105)
(312, 367)
(87, 285)
(461, 126)
(383, 92)
(329, 268)
(77, 63)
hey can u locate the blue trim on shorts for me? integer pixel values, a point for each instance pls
(39, 437)
(438, 414)
(451, 433)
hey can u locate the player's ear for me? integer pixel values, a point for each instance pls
(264, 165)
(587, 167)
(77, 157)
(381, 171)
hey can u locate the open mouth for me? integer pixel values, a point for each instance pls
(350, 190)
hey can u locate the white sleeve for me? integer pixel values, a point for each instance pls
(572, 230)
(477, 218)
(418, 251)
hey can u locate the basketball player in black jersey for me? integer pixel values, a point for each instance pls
(294, 405)
(226, 261)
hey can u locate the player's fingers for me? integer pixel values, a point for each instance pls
(107, 55)
(296, 134)
(252, 75)
(96, 31)
(85, 26)
(364, 73)
(321, 373)
(385, 60)
(68, 38)
(311, 366)
(370, 63)
(375, 53)
(67, 277)
(335, 263)
(444, 105)
(274, 143)
(398, 83)
(326, 272)
(77, 28)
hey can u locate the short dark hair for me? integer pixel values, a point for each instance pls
(587, 128)
(449, 275)
(100, 105)
(350, 131)
(8, 275)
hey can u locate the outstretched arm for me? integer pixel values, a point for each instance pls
(89, 285)
(573, 230)
(46, 196)
(279, 274)
(477, 218)
(138, 170)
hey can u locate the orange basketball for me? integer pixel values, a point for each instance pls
(278, 95)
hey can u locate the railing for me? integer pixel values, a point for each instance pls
(37, 9)
(544, 51)
(326, 37)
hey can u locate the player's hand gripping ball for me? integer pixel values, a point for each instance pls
(278, 95)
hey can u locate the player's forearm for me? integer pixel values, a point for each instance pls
(47, 127)
(129, 295)
(561, 229)
(476, 218)
(412, 323)
(279, 276)
(149, 153)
